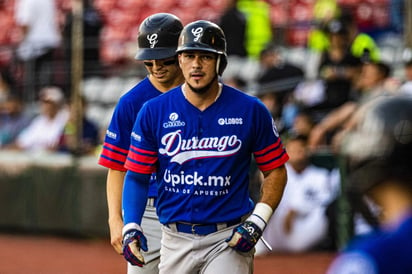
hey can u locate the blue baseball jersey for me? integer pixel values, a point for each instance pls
(202, 158)
(117, 140)
(384, 251)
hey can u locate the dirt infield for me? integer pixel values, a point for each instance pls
(23, 254)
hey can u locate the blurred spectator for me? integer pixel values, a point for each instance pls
(233, 23)
(302, 124)
(324, 11)
(248, 26)
(370, 84)
(276, 82)
(406, 86)
(300, 222)
(276, 73)
(43, 133)
(272, 101)
(92, 26)
(337, 69)
(258, 25)
(374, 80)
(41, 37)
(89, 133)
(13, 119)
(268, 58)
(361, 44)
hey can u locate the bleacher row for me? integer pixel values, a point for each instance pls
(102, 95)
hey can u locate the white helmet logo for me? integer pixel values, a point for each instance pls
(197, 32)
(152, 39)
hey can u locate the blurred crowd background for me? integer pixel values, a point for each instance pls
(312, 62)
(261, 34)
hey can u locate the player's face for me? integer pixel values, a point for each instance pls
(198, 67)
(163, 70)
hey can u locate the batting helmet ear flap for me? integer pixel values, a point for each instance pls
(221, 64)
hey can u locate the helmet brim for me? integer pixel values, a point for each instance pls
(199, 48)
(155, 53)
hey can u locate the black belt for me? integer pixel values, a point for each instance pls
(201, 229)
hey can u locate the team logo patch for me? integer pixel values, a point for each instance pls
(197, 33)
(173, 116)
(173, 121)
(230, 121)
(152, 38)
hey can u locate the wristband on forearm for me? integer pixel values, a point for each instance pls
(131, 226)
(261, 215)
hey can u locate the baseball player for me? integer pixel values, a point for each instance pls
(379, 152)
(157, 43)
(199, 139)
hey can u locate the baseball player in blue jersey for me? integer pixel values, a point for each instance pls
(199, 139)
(157, 43)
(379, 152)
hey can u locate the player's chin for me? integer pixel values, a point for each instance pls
(161, 75)
(163, 79)
(197, 84)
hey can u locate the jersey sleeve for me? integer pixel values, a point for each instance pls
(142, 156)
(269, 151)
(117, 140)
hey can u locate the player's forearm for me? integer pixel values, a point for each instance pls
(114, 189)
(135, 191)
(274, 183)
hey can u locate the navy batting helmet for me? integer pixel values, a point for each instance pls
(158, 36)
(205, 36)
(380, 148)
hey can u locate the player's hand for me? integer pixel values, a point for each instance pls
(245, 236)
(133, 242)
(116, 238)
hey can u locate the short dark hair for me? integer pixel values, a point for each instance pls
(384, 68)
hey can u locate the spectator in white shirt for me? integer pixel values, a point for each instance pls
(300, 222)
(41, 36)
(44, 131)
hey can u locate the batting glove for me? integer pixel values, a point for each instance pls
(246, 235)
(133, 242)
